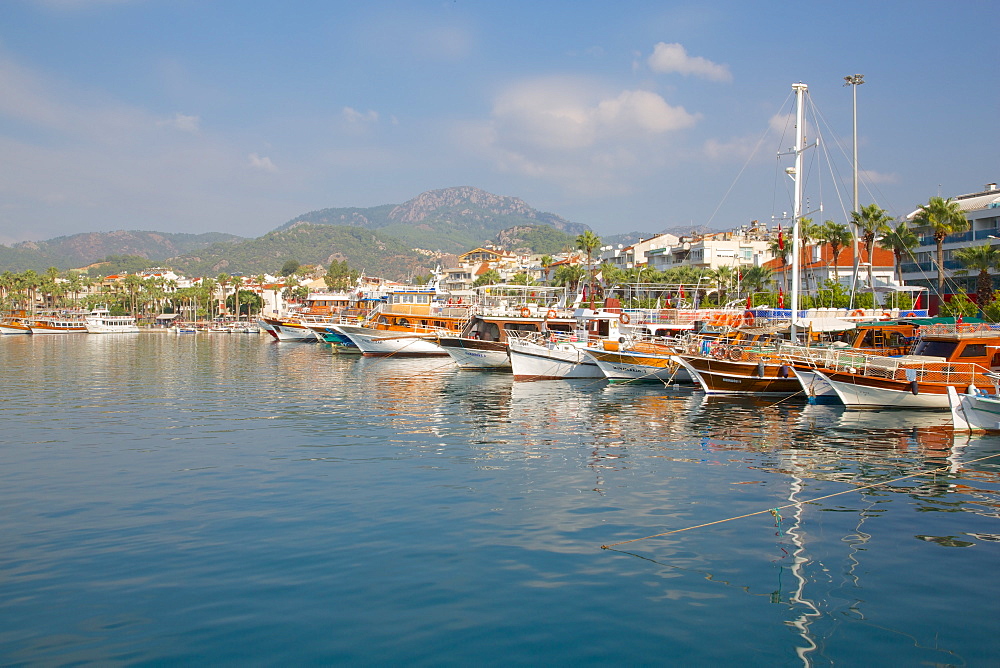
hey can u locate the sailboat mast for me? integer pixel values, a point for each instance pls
(800, 92)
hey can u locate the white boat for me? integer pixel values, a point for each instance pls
(974, 411)
(640, 362)
(536, 358)
(100, 321)
(58, 325)
(385, 342)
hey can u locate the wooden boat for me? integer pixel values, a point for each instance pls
(740, 368)
(58, 324)
(407, 323)
(960, 357)
(639, 361)
(15, 322)
(974, 410)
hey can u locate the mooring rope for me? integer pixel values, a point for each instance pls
(775, 511)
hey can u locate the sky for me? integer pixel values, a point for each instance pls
(239, 115)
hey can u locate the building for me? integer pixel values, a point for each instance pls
(748, 246)
(982, 209)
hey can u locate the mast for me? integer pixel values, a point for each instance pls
(796, 173)
(854, 81)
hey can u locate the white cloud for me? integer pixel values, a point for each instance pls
(182, 122)
(262, 163)
(673, 58)
(352, 115)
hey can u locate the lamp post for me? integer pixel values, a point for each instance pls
(854, 81)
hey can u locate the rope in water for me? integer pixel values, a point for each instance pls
(775, 511)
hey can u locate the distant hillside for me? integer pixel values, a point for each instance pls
(80, 250)
(450, 220)
(372, 252)
(535, 239)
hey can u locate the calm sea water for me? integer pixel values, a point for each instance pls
(228, 499)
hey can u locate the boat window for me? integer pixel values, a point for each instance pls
(934, 348)
(974, 350)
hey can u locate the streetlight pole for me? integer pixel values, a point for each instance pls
(854, 81)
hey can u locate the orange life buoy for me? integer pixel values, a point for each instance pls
(525, 311)
(909, 314)
(735, 353)
(886, 315)
(550, 314)
(749, 319)
(624, 319)
(857, 313)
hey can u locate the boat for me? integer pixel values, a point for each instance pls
(499, 310)
(958, 357)
(639, 361)
(58, 324)
(306, 323)
(406, 323)
(553, 354)
(15, 322)
(973, 410)
(100, 321)
(185, 329)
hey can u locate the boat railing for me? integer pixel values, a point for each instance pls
(904, 368)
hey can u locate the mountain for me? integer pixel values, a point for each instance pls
(309, 244)
(82, 249)
(451, 220)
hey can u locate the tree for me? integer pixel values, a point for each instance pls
(587, 242)
(871, 222)
(340, 276)
(490, 277)
(944, 217)
(838, 235)
(569, 275)
(521, 279)
(546, 262)
(289, 268)
(901, 241)
(223, 280)
(981, 258)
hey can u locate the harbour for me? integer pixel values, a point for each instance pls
(223, 499)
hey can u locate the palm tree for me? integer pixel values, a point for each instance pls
(569, 275)
(724, 278)
(838, 235)
(521, 279)
(223, 281)
(871, 222)
(587, 242)
(779, 249)
(901, 241)
(944, 217)
(982, 258)
(546, 262)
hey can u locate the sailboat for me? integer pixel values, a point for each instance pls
(759, 370)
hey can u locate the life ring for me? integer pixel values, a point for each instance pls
(719, 352)
(525, 311)
(886, 315)
(735, 353)
(749, 319)
(624, 319)
(909, 314)
(550, 314)
(857, 313)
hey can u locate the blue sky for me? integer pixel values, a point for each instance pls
(237, 115)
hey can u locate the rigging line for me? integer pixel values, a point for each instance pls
(942, 469)
(746, 164)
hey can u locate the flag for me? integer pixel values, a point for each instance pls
(681, 293)
(781, 298)
(749, 302)
(781, 238)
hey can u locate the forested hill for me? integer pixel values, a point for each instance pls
(79, 250)
(450, 220)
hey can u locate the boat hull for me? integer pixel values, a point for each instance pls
(974, 412)
(555, 361)
(382, 343)
(476, 354)
(636, 367)
(866, 391)
(722, 376)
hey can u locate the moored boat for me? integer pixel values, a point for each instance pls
(100, 321)
(973, 410)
